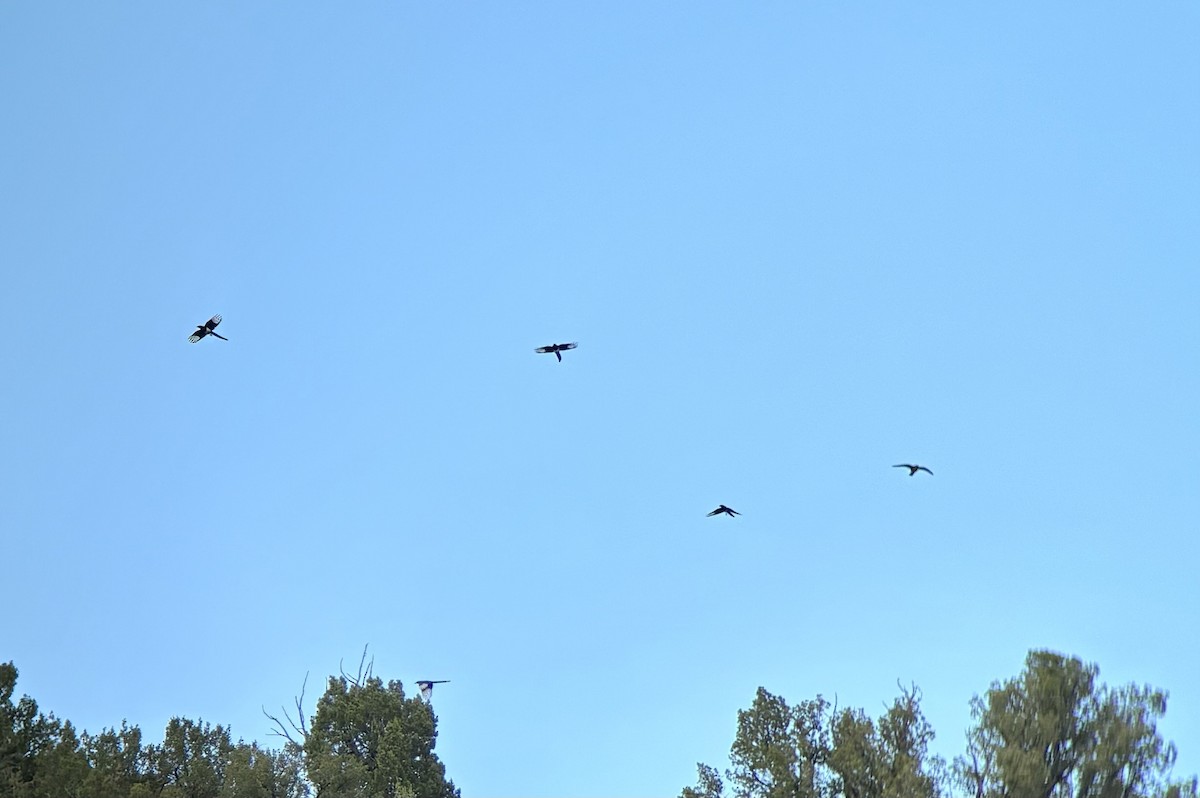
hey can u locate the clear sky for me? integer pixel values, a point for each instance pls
(798, 242)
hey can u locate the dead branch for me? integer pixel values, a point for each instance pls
(299, 726)
(363, 675)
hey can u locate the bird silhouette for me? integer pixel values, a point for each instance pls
(426, 687)
(723, 509)
(207, 328)
(913, 469)
(556, 349)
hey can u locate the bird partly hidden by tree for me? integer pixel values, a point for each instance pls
(556, 349)
(207, 328)
(913, 469)
(723, 509)
(426, 687)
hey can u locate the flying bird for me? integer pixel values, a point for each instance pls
(207, 328)
(913, 469)
(723, 509)
(426, 687)
(557, 349)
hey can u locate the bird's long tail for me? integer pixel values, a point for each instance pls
(222, 337)
(559, 356)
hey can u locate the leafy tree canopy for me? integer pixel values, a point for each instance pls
(1052, 732)
(366, 739)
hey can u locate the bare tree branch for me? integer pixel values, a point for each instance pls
(370, 665)
(363, 674)
(299, 726)
(300, 707)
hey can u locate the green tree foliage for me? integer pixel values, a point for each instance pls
(888, 758)
(38, 754)
(367, 739)
(1052, 732)
(61, 766)
(192, 759)
(780, 751)
(811, 751)
(254, 772)
(708, 785)
(118, 763)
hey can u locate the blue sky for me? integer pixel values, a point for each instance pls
(797, 242)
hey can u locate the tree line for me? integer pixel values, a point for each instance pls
(1054, 731)
(366, 739)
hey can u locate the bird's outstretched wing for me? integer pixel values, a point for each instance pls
(902, 465)
(571, 345)
(426, 687)
(732, 511)
(544, 350)
(926, 470)
(714, 512)
(194, 337)
(212, 323)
